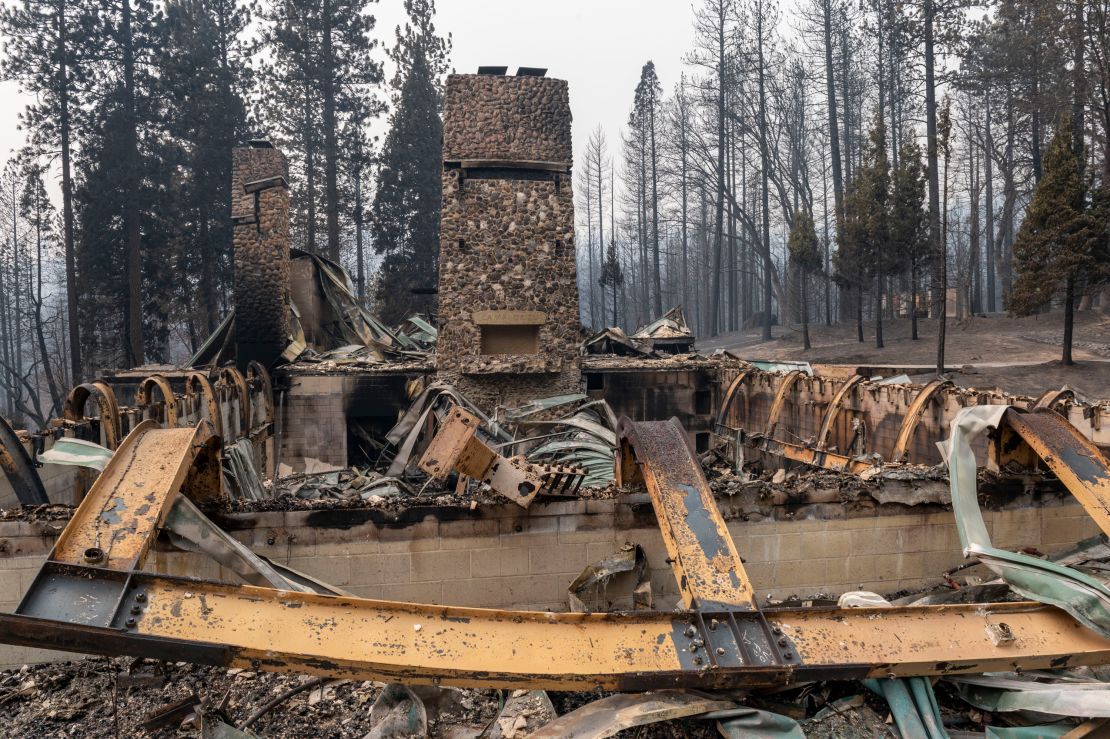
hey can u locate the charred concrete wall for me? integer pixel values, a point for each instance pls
(508, 294)
(323, 420)
(506, 557)
(691, 395)
(260, 212)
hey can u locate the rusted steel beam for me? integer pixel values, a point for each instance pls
(457, 445)
(779, 403)
(19, 469)
(1071, 456)
(110, 422)
(199, 380)
(148, 615)
(913, 417)
(730, 395)
(1052, 398)
(703, 556)
(831, 413)
(117, 521)
(232, 378)
(813, 457)
(144, 397)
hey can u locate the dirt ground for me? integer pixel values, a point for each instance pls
(1020, 355)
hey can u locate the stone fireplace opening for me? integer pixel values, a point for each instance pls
(510, 340)
(509, 331)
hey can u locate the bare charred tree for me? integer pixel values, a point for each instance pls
(713, 28)
(42, 54)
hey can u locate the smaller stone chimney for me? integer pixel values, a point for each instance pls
(260, 214)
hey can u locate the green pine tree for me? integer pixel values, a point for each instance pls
(909, 236)
(404, 215)
(611, 274)
(206, 75)
(805, 255)
(862, 256)
(1061, 246)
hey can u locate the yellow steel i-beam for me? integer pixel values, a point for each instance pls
(703, 556)
(281, 631)
(1071, 456)
(117, 521)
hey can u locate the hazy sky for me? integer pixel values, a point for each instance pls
(598, 46)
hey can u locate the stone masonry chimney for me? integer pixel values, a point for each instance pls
(260, 214)
(508, 293)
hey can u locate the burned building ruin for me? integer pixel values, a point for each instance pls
(726, 483)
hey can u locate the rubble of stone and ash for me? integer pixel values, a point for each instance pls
(99, 697)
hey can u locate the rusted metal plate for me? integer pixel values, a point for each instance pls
(706, 564)
(449, 443)
(458, 445)
(116, 522)
(1071, 456)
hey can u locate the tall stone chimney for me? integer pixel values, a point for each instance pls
(260, 214)
(508, 293)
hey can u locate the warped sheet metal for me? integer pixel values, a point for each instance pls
(615, 713)
(192, 531)
(585, 439)
(77, 453)
(594, 582)
(345, 324)
(913, 704)
(613, 340)
(751, 723)
(245, 482)
(1003, 693)
(671, 325)
(1084, 597)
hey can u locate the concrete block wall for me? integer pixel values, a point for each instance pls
(506, 557)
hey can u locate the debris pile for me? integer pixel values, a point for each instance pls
(122, 697)
(667, 335)
(330, 328)
(548, 446)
